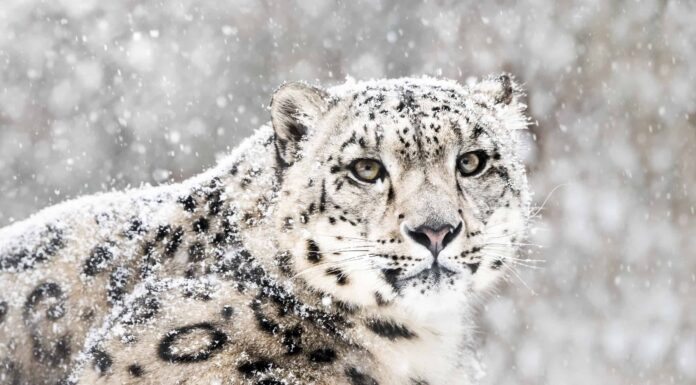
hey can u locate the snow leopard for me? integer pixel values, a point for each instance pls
(349, 241)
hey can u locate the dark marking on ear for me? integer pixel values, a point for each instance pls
(252, 368)
(167, 350)
(97, 261)
(341, 277)
(189, 203)
(473, 267)
(322, 356)
(102, 361)
(313, 253)
(389, 329)
(136, 370)
(506, 93)
(356, 377)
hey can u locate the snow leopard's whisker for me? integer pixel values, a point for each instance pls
(337, 263)
(511, 268)
(543, 204)
(518, 261)
(501, 250)
(530, 263)
(345, 237)
(514, 244)
(344, 250)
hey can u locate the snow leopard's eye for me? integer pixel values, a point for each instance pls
(472, 163)
(367, 170)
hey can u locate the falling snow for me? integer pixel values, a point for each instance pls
(100, 95)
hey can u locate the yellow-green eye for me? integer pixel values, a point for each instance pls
(367, 170)
(472, 163)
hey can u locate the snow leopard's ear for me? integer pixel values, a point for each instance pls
(500, 89)
(504, 94)
(295, 108)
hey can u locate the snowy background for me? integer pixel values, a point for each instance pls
(96, 95)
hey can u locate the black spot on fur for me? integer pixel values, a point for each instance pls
(143, 309)
(174, 242)
(390, 195)
(189, 203)
(25, 259)
(380, 299)
(389, 329)
(116, 288)
(473, 267)
(201, 225)
(102, 361)
(135, 228)
(322, 198)
(356, 377)
(292, 340)
(270, 381)
(97, 261)
(227, 312)
(216, 342)
(196, 252)
(266, 324)
(313, 253)
(322, 356)
(496, 264)
(3, 310)
(251, 368)
(391, 276)
(214, 203)
(136, 370)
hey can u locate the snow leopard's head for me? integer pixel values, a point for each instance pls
(400, 192)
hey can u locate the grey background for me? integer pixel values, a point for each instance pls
(98, 95)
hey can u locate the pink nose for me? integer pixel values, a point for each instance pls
(435, 239)
(436, 236)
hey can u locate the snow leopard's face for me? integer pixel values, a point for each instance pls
(400, 192)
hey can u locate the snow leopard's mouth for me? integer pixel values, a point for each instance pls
(433, 274)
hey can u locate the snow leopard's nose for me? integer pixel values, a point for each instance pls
(434, 239)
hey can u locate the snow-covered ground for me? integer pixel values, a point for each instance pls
(96, 95)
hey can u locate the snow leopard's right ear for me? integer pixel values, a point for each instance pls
(295, 108)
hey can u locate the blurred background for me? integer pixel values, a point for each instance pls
(99, 95)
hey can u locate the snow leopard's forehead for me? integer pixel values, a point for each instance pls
(418, 119)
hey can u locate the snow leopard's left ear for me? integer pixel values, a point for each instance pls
(295, 108)
(504, 94)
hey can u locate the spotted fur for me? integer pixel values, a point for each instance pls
(279, 266)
